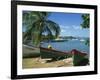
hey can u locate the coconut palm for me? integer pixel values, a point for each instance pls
(86, 21)
(39, 24)
(86, 24)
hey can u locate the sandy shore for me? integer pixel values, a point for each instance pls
(42, 63)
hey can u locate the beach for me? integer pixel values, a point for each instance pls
(43, 63)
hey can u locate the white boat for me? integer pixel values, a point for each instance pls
(82, 40)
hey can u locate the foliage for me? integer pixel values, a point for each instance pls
(86, 21)
(38, 25)
(87, 42)
(86, 24)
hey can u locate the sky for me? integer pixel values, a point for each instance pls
(69, 24)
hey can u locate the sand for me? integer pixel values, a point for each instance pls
(42, 63)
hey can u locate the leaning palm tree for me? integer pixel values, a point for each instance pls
(39, 24)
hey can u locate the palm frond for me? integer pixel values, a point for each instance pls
(37, 23)
(53, 27)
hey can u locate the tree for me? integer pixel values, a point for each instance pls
(87, 42)
(39, 24)
(86, 21)
(86, 24)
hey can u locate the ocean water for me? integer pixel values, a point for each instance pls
(68, 45)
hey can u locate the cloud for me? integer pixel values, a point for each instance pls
(76, 27)
(71, 27)
(64, 27)
(63, 30)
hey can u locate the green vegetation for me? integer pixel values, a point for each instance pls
(38, 25)
(47, 37)
(86, 21)
(87, 42)
(86, 24)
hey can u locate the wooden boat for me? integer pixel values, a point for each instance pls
(30, 51)
(54, 54)
(79, 58)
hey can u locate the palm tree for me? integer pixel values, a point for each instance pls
(39, 24)
(86, 21)
(86, 24)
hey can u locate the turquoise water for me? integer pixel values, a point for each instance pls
(68, 45)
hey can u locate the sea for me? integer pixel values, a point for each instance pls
(66, 46)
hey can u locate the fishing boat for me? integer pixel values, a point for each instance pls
(79, 58)
(82, 40)
(30, 51)
(59, 40)
(52, 53)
